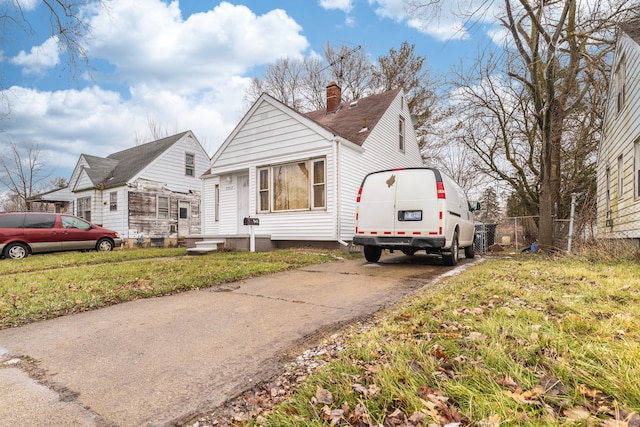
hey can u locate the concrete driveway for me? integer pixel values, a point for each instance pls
(156, 361)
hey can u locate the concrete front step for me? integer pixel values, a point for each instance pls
(205, 246)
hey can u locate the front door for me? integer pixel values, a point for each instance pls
(243, 202)
(184, 218)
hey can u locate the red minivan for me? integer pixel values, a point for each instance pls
(24, 233)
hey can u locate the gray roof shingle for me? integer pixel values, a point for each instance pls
(118, 168)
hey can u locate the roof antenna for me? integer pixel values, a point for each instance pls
(342, 58)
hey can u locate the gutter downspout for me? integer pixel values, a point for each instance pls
(336, 184)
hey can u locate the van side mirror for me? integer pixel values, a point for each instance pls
(474, 206)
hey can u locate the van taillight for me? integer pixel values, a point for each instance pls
(359, 195)
(440, 190)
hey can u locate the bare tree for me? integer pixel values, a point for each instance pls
(404, 68)
(22, 173)
(67, 25)
(284, 80)
(351, 69)
(555, 51)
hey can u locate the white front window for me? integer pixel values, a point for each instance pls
(292, 186)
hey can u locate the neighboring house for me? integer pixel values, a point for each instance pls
(149, 193)
(618, 173)
(299, 174)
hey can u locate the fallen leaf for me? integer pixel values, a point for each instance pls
(476, 336)
(509, 382)
(523, 398)
(324, 396)
(577, 413)
(588, 392)
(493, 421)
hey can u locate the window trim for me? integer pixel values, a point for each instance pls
(265, 194)
(401, 134)
(620, 177)
(216, 201)
(620, 84)
(636, 168)
(314, 184)
(84, 202)
(160, 197)
(113, 201)
(189, 166)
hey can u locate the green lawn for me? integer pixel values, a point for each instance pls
(46, 286)
(525, 341)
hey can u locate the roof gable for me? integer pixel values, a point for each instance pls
(632, 29)
(98, 169)
(354, 121)
(133, 160)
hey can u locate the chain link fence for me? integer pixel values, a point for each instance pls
(520, 233)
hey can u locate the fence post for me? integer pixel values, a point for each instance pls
(573, 210)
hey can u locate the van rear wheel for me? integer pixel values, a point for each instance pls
(372, 253)
(452, 257)
(469, 251)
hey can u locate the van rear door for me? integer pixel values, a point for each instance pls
(417, 204)
(376, 207)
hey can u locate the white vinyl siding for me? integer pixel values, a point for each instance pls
(170, 167)
(619, 155)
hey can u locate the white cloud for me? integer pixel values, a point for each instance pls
(25, 5)
(343, 5)
(443, 20)
(149, 41)
(99, 122)
(180, 73)
(40, 58)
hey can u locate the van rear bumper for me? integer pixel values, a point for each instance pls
(400, 242)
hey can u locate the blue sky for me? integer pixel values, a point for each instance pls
(185, 65)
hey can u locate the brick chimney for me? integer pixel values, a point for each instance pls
(334, 97)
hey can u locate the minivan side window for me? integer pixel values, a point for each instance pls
(40, 221)
(11, 221)
(73, 222)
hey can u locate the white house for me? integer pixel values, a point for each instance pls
(618, 172)
(149, 193)
(299, 174)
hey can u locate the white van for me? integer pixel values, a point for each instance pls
(414, 209)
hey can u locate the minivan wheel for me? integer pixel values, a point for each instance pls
(372, 253)
(104, 245)
(452, 257)
(16, 251)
